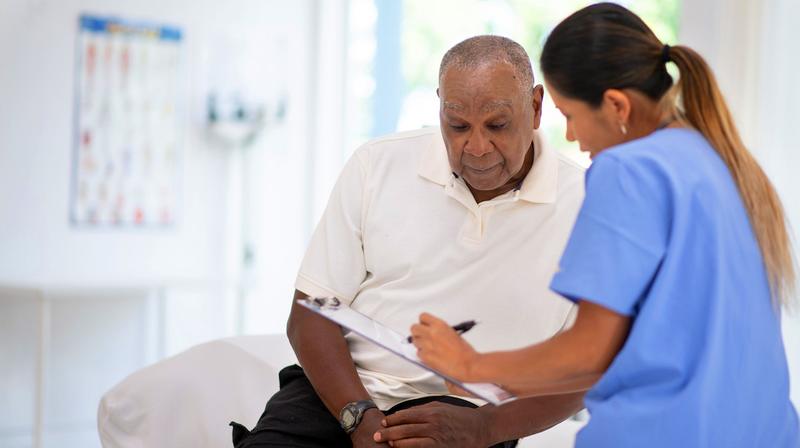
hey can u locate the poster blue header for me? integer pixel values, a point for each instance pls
(115, 25)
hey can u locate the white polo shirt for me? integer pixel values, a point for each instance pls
(402, 235)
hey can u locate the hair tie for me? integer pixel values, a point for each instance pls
(665, 57)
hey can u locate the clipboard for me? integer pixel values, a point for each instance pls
(383, 336)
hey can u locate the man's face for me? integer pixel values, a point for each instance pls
(487, 122)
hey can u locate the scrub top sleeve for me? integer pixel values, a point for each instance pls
(619, 237)
(334, 263)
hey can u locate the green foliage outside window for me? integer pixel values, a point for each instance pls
(431, 27)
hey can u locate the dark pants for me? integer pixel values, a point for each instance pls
(295, 417)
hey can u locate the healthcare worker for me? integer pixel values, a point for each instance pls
(679, 260)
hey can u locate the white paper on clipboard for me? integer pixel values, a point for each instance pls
(396, 343)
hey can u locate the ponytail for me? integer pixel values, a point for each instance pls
(605, 46)
(704, 109)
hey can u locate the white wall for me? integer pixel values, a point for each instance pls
(257, 46)
(751, 45)
(779, 94)
(287, 191)
(36, 87)
(100, 331)
(36, 136)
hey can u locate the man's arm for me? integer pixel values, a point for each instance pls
(323, 353)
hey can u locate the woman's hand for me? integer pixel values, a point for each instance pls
(458, 391)
(441, 348)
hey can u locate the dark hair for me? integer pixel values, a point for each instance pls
(605, 46)
(601, 47)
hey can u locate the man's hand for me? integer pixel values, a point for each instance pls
(370, 422)
(435, 425)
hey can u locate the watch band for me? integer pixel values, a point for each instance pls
(352, 413)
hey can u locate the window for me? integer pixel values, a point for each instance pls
(395, 49)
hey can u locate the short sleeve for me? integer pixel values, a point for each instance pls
(620, 236)
(334, 264)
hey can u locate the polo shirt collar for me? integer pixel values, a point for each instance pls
(539, 186)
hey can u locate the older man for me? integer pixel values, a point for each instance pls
(467, 222)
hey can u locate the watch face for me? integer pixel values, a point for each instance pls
(348, 419)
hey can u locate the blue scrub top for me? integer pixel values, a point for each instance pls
(663, 237)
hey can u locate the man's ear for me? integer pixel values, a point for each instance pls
(617, 106)
(537, 98)
(437, 93)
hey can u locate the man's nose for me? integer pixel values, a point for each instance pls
(478, 144)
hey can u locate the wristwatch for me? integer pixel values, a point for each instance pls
(352, 413)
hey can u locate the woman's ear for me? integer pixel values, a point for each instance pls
(617, 106)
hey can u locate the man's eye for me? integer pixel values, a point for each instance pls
(458, 127)
(497, 126)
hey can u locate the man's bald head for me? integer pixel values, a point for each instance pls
(479, 51)
(488, 112)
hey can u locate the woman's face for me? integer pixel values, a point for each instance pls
(595, 129)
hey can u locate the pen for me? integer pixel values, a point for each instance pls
(461, 328)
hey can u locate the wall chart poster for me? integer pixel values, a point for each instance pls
(126, 159)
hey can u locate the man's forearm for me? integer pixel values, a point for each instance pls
(325, 357)
(529, 416)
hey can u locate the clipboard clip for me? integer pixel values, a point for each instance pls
(325, 303)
